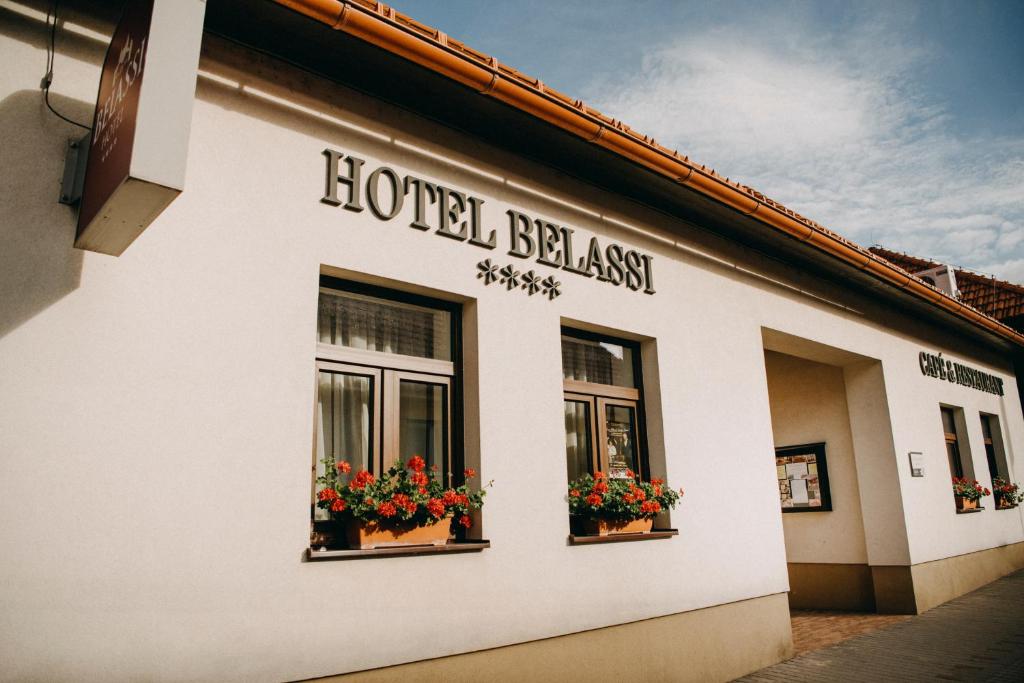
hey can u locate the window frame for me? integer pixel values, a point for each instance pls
(387, 371)
(995, 449)
(953, 439)
(599, 396)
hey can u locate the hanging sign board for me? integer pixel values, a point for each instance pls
(139, 141)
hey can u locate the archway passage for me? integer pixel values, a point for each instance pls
(833, 446)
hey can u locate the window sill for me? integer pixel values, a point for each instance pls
(401, 551)
(580, 539)
(967, 512)
(1006, 507)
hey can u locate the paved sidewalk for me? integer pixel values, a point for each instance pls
(978, 637)
(817, 629)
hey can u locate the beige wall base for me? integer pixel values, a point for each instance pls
(714, 644)
(918, 588)
(831, 586)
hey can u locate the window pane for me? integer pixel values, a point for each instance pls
(987, 423)
(948, 421)
(986, 426)
(597, 362)
(577, 438)
(621, 430)
(344, 419)
(423, 423)
(953, 453)
(364, 322)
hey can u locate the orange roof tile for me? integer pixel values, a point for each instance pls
(999, 299)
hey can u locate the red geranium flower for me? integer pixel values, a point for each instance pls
(574, 493)
(416, 463)
(650, 506)
(657, 482)
(470, 473)
(598, 475)
(387, 510)
(327, 494)
(361, 479)
(593, 499)
(600, 487)
(435, 507)
(450, 498)
(338, 505)
(343, 467)
(628, 498)
(466, 521)
(419, 479)
(657, 490)
(630, 474)
(401, 500)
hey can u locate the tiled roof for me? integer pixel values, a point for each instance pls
(999, 299)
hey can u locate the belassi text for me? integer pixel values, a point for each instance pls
(934, 365)
(458, 215)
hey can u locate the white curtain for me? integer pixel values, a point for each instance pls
(597, 362)
(362, 322)
(343, 426)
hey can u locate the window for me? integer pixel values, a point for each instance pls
(993, 440)
(387, 380)
(952, 443)
(603, 405)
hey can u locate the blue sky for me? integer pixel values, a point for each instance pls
(898, 123)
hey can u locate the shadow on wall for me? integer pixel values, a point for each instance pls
(38, 262)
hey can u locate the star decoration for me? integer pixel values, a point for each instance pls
(531, 282)
(509, 277)
(551, 285)
(488, 271)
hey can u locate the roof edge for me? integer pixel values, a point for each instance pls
(394, 32)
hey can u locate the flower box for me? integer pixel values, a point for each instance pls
(964, 504)
(599, 506)
(604, 527)
(1008, 494)
(1004, 503)
(405, 506)
(369, 535)
(968, 493)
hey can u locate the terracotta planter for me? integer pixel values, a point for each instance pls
(964, 504)
(369, 535)
(602, 527)
(1003, 504)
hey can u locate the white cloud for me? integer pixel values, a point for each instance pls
(837, 127)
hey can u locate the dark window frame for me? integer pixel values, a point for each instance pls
(599, 396)
(388, 381)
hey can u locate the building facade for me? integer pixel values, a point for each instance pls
(372, 258)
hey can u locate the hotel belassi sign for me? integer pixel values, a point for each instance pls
(459, 216)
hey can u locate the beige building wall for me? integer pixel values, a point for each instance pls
(808, 402)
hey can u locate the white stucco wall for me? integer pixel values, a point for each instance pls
(157, 409)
